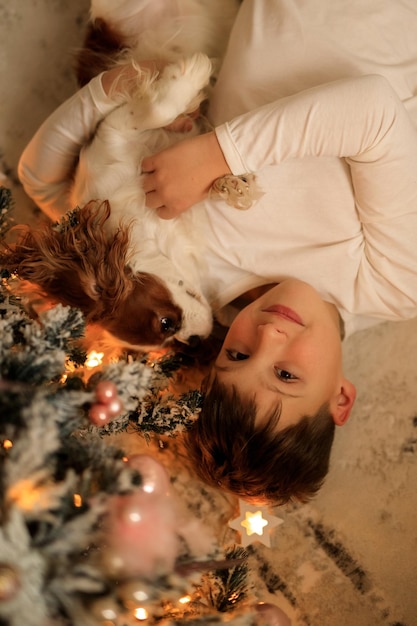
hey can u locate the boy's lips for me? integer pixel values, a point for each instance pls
(285, 312)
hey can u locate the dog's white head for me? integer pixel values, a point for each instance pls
(195, 316)
(157, 311)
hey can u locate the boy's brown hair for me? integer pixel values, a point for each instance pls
(257, 462)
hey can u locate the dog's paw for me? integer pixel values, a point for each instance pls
(191, 73)
(178, 90)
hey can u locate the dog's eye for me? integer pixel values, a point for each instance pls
(167, 325)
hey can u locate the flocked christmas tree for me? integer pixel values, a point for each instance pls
(89, 536)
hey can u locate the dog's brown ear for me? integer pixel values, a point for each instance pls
(61, 260)
(74, 262)
(39, 258)
(102, 46)
(23, 257)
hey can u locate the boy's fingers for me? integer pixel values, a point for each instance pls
(147, 165)
(153, 201)
(182, 124)
(147, 184)
(166, 213)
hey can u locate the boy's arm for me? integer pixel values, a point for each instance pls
(182, 175)
(359, 119)
(46, 165)
(47, 162)
(363, 121)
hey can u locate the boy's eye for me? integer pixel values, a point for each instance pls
(284, 375)
(235, 355)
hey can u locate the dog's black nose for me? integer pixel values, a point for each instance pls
(194, 341)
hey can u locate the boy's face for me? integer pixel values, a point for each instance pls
(285, 348)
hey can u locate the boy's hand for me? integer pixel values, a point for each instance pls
(182, 175)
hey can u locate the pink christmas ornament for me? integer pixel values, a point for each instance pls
(271, 615)
(155, 478)
(106, 391)
(108, 404)
(115, 407)
(141, 535)
(99, 414)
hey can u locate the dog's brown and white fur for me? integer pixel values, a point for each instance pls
(135, 275)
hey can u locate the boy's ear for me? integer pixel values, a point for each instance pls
(342, 403)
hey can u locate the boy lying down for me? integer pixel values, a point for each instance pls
(306, 101)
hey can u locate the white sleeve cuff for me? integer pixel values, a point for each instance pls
(232, 155)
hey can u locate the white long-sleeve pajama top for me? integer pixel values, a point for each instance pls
(318, 99)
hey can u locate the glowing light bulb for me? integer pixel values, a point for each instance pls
(78, 501)
(94, 359)
(141, 613)
(7, 444)
(254, 523)
(185, 600)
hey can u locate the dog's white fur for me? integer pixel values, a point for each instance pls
(169, 28)
(185, 32)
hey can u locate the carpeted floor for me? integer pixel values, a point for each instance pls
(350, 557)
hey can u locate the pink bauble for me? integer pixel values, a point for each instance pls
(155, 478)
(99, 414)
(271, 615)
(115, 407)
(141, 535)
(106, 391)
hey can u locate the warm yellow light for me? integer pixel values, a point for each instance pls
(155, 355)
(78, 501)
(94, 359)
(185, 600)
(7, 444)
(254, 523)
(253, 519)
(27, 495)
(70, 367)
(141, 613)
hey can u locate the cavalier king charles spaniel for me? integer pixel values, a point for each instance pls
(135, 275)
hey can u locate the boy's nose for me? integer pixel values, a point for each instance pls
(269, 335)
